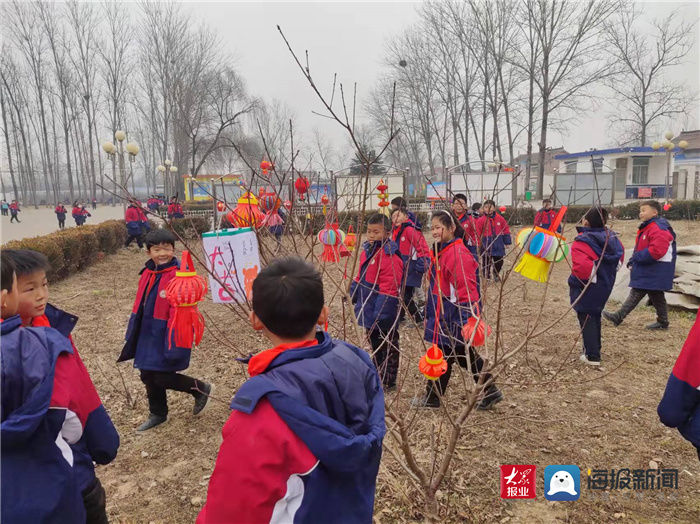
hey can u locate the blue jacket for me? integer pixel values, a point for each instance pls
(147, 340)
(38, 480)
(654, 259)
(413, 218)
(680, 405)
(100, 440)
(414, 252)
(331, 397)
(588, 248)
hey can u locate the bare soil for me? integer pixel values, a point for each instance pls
(556, 411)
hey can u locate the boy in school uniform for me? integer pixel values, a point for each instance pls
(494, 235)
(596, 255)
(545, 216)
(175, 209)
(14, 209)
(652, 264)
(375, 294)
(147, 335)
(134, 219)
(304, 440)
(400, 203)
(416, 258)
(467, 219)
(98, 439)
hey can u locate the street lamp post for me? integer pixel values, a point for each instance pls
(165, 168)
(112, 151)
(669, 147)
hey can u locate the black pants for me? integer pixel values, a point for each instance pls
(95, 501)
(384, 338)
(590, 332)
(14, 217)
(657, 298)
(61, 223)
(131, 238)
(459, 354)
(492, 265)
(157, 382)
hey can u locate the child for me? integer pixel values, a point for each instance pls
(304, 441)
(653, 264)
(456, 290)
(476, 210)
(375, 294)
(98, 439)
(14, 209)
(175, 209)
(134, 219)
(680, 405)
(94, 204)
(147, 339)
(5, 208)
(545, 216)
(400, 202)
(596, 255)
(416, 258)
(467, 219)
(61, 211)
(84, 213)
(494, 234)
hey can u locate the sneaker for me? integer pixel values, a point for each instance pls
(152, 422)
(425, 402)
(492, 397)
(612, 317)
(587, 360)
(656, 326)
(201, 399)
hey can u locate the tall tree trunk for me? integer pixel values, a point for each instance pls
(7, 143)
(530, 125)
(99, 163)
(543, 147)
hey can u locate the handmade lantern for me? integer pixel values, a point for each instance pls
(502, 209)
(350, 238)
(302, 186)
(220, 206)
(542, 247)
(246, 213)
(667, 206)
(270, 204)
(324, 201)
(432, 364)
(383, 197)
(332, 238)
(265, 166)
(478, 328)
(183, 293)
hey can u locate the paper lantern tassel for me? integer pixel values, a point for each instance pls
(184, 292)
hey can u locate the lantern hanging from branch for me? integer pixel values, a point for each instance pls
(478, 329)
(332, 238)
(265, 166)
(270, 204)
(302, 186)
(287, 204)
(350, 238)
(383, 198)
(220, 206)
(542, 247)
(246, 213)
(432, 364)
(324, 201)
(184, 292)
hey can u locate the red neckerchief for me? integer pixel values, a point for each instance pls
(152, 277)
(259, 363)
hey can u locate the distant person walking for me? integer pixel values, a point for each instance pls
(94, 204)
(14, 210)
(5, 207)
(61, 211)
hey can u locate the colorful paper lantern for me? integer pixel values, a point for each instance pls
(184, 292)
(332, 238)
(270, 204)
(543, 248)
(302, 186)
(432, 364)
(265, 166)
(246, 213)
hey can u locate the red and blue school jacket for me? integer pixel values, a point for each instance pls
(304, 441)
(493, 234)
(596, 255)
(98, 439)
(147, 340)
(457, 294)
(134, 220)
(545, 217)
(414, 252)
(60, 211)
(375, 290)
(39, 483)
(471, 238)
(175, 211)
(680, 405)
(414, 218)
(654, 258)
(153, 204)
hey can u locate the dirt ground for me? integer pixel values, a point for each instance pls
(556, 411)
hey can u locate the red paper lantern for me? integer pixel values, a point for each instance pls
(382, 187)
(183, 293)
(265, 166)
(246, 213)
(480, 330)
(220, 206)
(302, 186)
(667, 207)
(324, 199)
(502, 209)
(432, 364)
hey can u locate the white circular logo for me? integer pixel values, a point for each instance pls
(163, 294)
(403, 238)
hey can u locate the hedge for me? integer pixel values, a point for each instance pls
(74, 249)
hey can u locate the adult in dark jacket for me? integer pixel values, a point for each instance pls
(653, 264)
(596, 255)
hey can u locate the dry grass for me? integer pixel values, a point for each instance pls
(555, 410)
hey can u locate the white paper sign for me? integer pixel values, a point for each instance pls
(233, 255)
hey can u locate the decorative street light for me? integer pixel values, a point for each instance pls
(164, 168)
(112, 152)
(669, 147)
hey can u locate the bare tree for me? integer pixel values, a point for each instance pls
(643, 90)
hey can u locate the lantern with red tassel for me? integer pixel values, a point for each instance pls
(432, 364)
(265, 166)
(324, 201)
(383, 197)
(246, 213)
(220, 206)
(332, 238)
(270, 203)
(183, 293)
(302, 186)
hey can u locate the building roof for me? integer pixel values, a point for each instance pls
(692, 137)
(613, 151)
(536, 154)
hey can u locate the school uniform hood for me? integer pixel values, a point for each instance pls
(603, 241)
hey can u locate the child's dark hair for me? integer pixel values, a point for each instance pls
(490, 202)
(399, 202)
(448, 219)
(459, 196)
(546, 201)
(288, 297)
(476, 206)
(8, 271)
(400, 210)
(651, 203)
(378, 218)
(159, 236)
(27, 261)
(597, 216)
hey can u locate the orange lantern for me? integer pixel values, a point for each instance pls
(432, 364)
(350, 238)
(220, 206)
(183, 293)
(480, 330)
(246, 213)
(265, 166)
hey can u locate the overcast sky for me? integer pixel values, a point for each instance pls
(349, 38)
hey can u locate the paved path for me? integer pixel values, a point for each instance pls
(35, 222)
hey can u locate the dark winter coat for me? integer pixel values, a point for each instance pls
(414, 252)
(493, 234)
(654, 258)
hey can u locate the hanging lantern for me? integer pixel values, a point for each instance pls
(383, 197)
(270, 203)
(502, 209)
(183, 293)
(302, 186)
(332, 238)
(246, 213)
(432, 364)
(220, 206)
(477, 327)
(265, 166)
(350, 238)
(324, 201)
(667, 206)
(287, 204)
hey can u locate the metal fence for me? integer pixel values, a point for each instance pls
(584, 189)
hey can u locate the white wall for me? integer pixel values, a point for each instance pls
(350, 190)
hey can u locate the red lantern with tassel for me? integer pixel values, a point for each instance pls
(331, 237)
(265, 166)
(184, 292)
(480, 330)
(432, 364)
(220, 206)
(302, 186)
